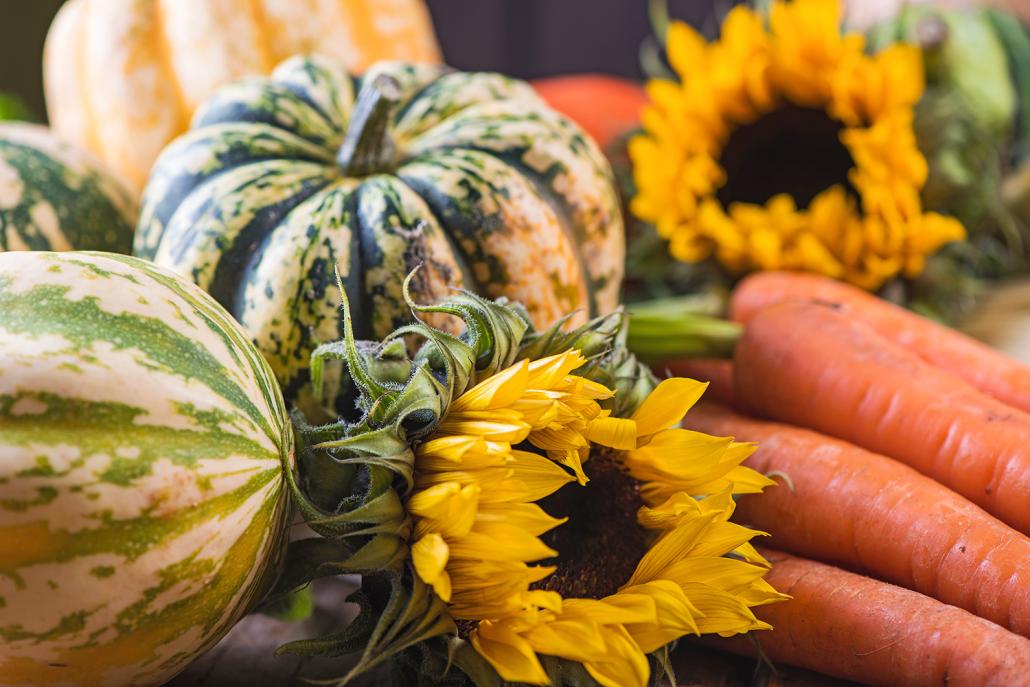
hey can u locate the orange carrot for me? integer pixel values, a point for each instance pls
(605, 106)
(716, 371)
(812, 366)
(992, 372)
(860, 629)
(867, 512)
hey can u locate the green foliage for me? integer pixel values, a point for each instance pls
(293, 606)
(684, 326)
(13, 108)
(971, 126)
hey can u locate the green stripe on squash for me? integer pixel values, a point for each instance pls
(56, 197)
(142, 446)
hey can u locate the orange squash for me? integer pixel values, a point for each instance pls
(605, 106)
(123, 77)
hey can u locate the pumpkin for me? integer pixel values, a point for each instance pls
(143, 441)
(123, 77)
(607, 107)
(470, 175)
(54, 196)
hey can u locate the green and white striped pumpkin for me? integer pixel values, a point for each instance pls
(284, 179)
(142, 447)
(54, 196)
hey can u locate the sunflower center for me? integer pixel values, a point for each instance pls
(793, 150)
(601, 543)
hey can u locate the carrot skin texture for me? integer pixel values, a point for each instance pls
(811, 366)
(716, 371)
(991, 371)
(860, 629)
(867, 512)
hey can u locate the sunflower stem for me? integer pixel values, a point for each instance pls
(368, 147)
(682, 327)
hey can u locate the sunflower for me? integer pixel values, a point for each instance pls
(546, 513)
(785, 146)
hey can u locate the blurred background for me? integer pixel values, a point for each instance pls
(525, 38)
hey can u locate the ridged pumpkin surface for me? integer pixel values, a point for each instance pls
(54, 196)
(142, 441)
(123, 77)
(481, 183)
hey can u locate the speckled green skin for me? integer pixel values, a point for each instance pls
(143, 440)
(55, 197)
(487, 188)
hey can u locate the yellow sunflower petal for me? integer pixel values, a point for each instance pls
(572, 460)
(429, 556)
(722, 612)
(675, 616)
(499, 429)
(615, 432)
(667, 404)
(625, 665)
(728, 574)
(528, 517)
(617, 609)
(511, 655)
(686, 47)
(498, 391)
(545, 373)
(500, 542)
(540, 476)
(451, 448)
(571, 639)
(670, 548)
(447, 508)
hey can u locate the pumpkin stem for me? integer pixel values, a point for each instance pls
(368, 147)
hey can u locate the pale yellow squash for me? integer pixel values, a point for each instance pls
(123, 77)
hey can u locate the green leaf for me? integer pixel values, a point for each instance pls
(13, 107)
(410, 615)
(1016, 42)
(291, 607)
(347, 641)
(306, 560)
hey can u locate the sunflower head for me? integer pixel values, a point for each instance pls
(522, 505)
(784, 145)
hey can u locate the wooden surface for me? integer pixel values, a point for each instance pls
(244, 658)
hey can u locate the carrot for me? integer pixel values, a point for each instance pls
(716, 371)
(812, 366)
(867, 512)
(605, 106)
(860, 629)
(989, 370)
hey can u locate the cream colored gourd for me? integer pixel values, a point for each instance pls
(123, 77)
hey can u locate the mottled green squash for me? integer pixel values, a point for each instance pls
(143, 441)
(470, 175)
(54, 196)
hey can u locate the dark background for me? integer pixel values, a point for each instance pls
(525, 38)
